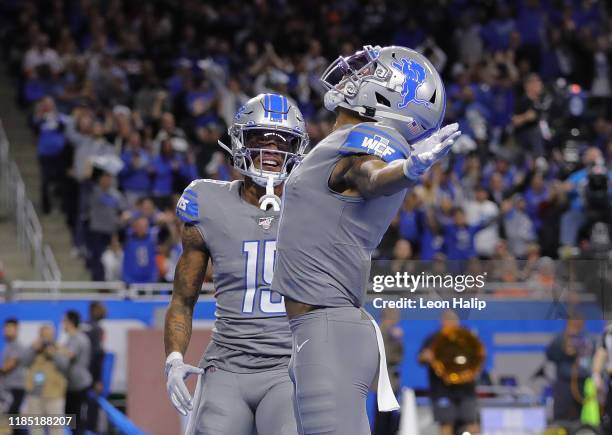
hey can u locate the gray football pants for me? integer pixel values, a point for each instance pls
(334, 362)
(244, 404)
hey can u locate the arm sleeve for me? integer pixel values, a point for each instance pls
(187, 207)
(375, 139)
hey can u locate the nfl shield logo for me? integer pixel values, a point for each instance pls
(265, 222)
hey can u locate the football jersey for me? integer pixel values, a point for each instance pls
(326, 239)
(251, 331)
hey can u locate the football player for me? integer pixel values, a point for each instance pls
(244, 383)
(337, 204)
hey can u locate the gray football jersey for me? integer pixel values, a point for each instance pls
(251, 331)
(326, 239)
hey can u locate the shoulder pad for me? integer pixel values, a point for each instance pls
(376, 139)
(188, 208)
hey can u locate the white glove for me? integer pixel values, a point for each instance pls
(428, 151)
(176, 373)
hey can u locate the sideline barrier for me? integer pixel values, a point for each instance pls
(118, 419)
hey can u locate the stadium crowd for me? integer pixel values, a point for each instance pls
(128, 100)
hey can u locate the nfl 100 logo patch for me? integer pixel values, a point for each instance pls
(265, 222)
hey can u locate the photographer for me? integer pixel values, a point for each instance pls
(452, 404)
(45, 379)
(589, 194)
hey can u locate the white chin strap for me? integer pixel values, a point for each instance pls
(270, 199)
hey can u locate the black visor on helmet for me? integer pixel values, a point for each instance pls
(358, 65)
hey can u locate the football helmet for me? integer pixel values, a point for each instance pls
(267, 119)
(392, 85)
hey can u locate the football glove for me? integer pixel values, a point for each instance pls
(428, 151)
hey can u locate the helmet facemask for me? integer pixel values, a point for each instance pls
(345, 75)
(263, 153)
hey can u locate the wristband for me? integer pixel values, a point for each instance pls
(408, 167)
(173, 357)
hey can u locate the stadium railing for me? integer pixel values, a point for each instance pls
(14, 202)
(45, 290)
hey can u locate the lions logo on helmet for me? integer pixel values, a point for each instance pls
(393, 85)
(414, 76)
(264, 120)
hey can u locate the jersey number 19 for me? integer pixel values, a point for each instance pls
(253, 263)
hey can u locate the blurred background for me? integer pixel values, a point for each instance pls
(109, 109)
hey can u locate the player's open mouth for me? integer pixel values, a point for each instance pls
(270, 165)
(269, 162)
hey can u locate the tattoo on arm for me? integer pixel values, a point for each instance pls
(371, 177)
(188, 279)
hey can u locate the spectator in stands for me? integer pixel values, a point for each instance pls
(50, 126)
(170, 169)
(86, 135)
(145, 207)
(402, 254)
(77, 349)
(459, 237)
(519, 228)
(106, 206)
(481, 210)
(95, 333)
(528, 117)
(182, 82)
(112, 260)
(135, 173)
(571, 352)
(41, 55)
(12, 371)
(139, 253)
(46, 381)
(169, 130)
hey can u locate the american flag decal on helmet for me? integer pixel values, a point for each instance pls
(414, 128)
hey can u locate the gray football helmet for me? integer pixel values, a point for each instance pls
(392, 85)
(263, 120)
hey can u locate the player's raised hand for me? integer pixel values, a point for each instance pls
(176, 373)
(428, 151)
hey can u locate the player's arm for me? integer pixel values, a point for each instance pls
(369, 176)
(188, 279)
